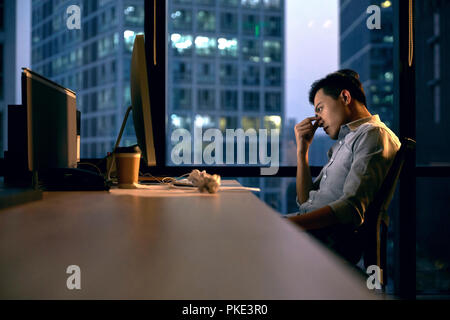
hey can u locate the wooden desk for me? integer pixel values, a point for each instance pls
(154, 245)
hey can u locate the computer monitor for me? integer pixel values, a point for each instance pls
(140, 102)
(43, 139)
(51, 123)
(140, 106)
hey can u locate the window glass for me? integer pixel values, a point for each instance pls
(182, 72)
(432, 137)
(432, 236)
(134, 14)
(432, 85)
(181, 19)
(206, 73)
(229, 22)
(181, 44)
(228, 74)
(206, 21)
(229, 100)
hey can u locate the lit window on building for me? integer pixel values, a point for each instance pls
(375, 99)
(250, 50)
(272, 122)
(126, 95)
(134, 15)
(128, 38)
(204, 121)
(250, 3)
(271, 4)
(181, 19)
(272, 51)
(250, 123)
(227, 47)
(107, 45)
(106, 98)
(205, 46)
(206, 21)
(227, 123)
(182, 44)
(180, 121)
(388, 99)
(389, 76)
(388, 39)
(386, 4)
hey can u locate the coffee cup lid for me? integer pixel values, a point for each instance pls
(130, 149)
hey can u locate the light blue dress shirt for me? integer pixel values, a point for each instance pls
(357, 165)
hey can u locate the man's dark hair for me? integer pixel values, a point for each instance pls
(334, 83)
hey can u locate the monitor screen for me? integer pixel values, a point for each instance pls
(51, 123)
(140, 101)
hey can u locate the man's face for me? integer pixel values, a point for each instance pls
(332, 113)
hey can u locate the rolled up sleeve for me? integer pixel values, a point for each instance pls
(373, 153)
(315, 186)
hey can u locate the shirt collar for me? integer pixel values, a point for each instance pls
(352, 126)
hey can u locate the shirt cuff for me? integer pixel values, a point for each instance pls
(291, 215)
(346, 212)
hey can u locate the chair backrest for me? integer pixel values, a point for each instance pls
(376, 213)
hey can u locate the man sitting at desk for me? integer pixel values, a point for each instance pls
(358, 162)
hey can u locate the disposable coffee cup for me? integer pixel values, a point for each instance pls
(127, 163)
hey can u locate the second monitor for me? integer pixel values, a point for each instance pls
(140, 106)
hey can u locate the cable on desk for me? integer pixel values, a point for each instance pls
(92, 165)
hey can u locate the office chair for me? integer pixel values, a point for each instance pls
(369, 241)
(373, 232)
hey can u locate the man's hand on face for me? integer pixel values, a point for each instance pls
(304, 133)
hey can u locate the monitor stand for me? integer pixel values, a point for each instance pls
(113, 156)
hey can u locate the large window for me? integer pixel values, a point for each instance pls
(253, 64)
(432, 156)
